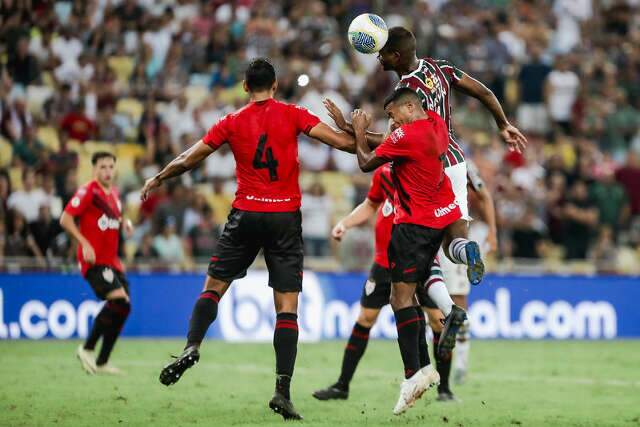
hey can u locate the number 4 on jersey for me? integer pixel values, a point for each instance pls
(270, 162)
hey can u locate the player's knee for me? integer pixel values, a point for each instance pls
(285, 302)
(121, 306)
(217, 285)
(368, 317)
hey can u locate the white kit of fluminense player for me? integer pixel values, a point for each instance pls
(368, 33)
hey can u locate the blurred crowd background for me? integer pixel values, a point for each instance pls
(145, 79)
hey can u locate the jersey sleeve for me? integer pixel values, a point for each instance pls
(473, 176)
(79, 202)
(305, 120)
(219, 133)
(376, 194)
(395, 146)
(453, 73)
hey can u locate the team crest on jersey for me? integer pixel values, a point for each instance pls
(387, 208)
(107, 275)
(429, 84)
(369, 287)
(397, 135)
(75, 202)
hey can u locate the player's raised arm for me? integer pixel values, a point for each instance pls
(332, 137)
(373, 138)
(358, 216)
(185, 161)
(367, 159)
(509, 133)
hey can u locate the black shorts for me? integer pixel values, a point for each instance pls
(377, 289)
(423, 297)
(279, 234)
(104, 279)
(411, 252)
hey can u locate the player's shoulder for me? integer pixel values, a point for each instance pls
(87, 188)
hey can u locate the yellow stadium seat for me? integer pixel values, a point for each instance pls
(122, 66)
(221, 204)
(130, 106)
(49, 137)
(93, 146)
(75, 145)
(126, 154)
(196, 95)
(15, 175)
(6, 153)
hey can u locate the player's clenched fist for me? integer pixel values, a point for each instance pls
(360, 119)
(338, 231)
(149, 185)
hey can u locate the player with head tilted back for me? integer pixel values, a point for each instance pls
(425, 206)
(265, 215)
(96, 206)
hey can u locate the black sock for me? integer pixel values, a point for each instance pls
(285, 343)
(408, 325)
(352, 354)
(117, 312)
(204, 313)
(423, 347)
(443, 365)
(100, 324)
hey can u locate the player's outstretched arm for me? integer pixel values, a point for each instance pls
(373, 138)
(332, 137)
(185, 161)
(367, 160)
(509, 133)
(361, 214)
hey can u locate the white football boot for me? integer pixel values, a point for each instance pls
(413, 388)
(87, 360)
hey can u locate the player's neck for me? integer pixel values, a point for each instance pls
(409, 67)
(105, 188)
(260, 96)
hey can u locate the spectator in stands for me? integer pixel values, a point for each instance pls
(528, 236)
(203, 237)
(150, 122)
(59, 105)
(108, 130)
(620, 126)
(77, 125)
(15, 118)
(28, 200)
(180, 115)
(316, 220)
(146, 251)
(532, 114)
(5, 191)
(168, 245)
(45, 231)
(629, 176)
(611, 200)
(580, 217)
(22, 66)
(222, 166)
(54, 202)
(19, 241)
(561, 90)
(30, 150)
(61, 163)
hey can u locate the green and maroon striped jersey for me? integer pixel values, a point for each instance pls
(432, 81)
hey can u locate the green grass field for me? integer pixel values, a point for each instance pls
(511, 383)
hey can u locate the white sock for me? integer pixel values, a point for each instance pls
(463, 346)
(457, 251)
(439, 294)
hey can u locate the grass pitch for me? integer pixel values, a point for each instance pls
(511, 383)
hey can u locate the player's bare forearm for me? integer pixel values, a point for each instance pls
(472, 87)
(334, 138)
(68, 223)
(373, 138)
(185, 161)
(363, 151)
(361, 214)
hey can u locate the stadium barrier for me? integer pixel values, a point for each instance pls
(62, 306)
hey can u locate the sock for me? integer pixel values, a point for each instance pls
(423, 347)
(117, 312)
(285, 343)
(408, 325)
(352, 354)
(457, 252)
(463, 345)
(437, 290)
(100, 324)
(204, 313)
(443, 365)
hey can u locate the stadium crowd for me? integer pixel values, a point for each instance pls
(145, 79)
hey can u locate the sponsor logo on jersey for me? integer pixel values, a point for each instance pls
(446, 210)
(75, 202)
(429, 84)
(104, 223)
(397, 135)
(268, 199)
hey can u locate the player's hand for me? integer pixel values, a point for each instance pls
(338, 231)
(335, 114)
(513, 138)
(128, 228)
(88, 254)
(360, 120)
(149, 185)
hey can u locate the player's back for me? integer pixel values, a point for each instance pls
(263, 138)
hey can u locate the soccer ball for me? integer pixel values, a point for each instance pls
(368, 33)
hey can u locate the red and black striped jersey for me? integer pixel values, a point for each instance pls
(432, 81)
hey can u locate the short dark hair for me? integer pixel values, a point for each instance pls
(260, 75)
(402, 94)
(101, 155)
(400, 40)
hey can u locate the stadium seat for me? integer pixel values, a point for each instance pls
(92, 146)
(196, 94)
(130, 106)
(6, 153)
(49, 137)
(122, 66)
(127, 154)
(15, 175)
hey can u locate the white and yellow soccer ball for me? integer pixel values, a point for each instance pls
(368, 33)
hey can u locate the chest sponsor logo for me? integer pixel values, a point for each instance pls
(445, 210)
(105, 223)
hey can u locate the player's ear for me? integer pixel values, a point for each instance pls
(244, 86)
(274, 87)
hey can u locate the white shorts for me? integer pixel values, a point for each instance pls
(458, 176)
(455, 275)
